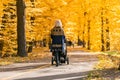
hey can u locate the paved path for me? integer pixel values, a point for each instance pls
(80, 65)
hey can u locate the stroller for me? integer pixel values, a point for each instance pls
(59, 54)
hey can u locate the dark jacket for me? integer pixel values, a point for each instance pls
(58, 39)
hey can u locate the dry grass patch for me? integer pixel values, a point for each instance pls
(107, 61)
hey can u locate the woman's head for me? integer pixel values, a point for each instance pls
(58, 23)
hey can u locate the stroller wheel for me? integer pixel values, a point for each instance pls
(67, 59)
(52, 61)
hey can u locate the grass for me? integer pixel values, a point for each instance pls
(108, 65)
(106, 74)
(108, 60)
(112, 53)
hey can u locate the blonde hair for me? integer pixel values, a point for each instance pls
(58, 23)
(57, 29)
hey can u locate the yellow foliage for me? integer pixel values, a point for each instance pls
(5, 63)
(81, 18)
(107, 62)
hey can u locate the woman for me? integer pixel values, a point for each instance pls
(58, 47)
(58, 36)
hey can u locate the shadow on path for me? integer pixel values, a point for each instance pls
(109, 74)
(22, 68)
(60, 76)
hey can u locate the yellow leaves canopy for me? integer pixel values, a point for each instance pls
(76, 15)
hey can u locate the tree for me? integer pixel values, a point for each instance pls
(21, 40)
(102, 32)
(7, 29)
(107, 36)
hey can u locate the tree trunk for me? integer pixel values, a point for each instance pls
(102, 32)
(85, 13)
(88, 35)
(1, 47)
(107, 36)
(21, 40)
(83, 36)
(102, 37)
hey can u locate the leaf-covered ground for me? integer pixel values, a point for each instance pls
(105, 74)
(106, 69)
(37, 54)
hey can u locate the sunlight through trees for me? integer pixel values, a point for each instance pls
(94, 22)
